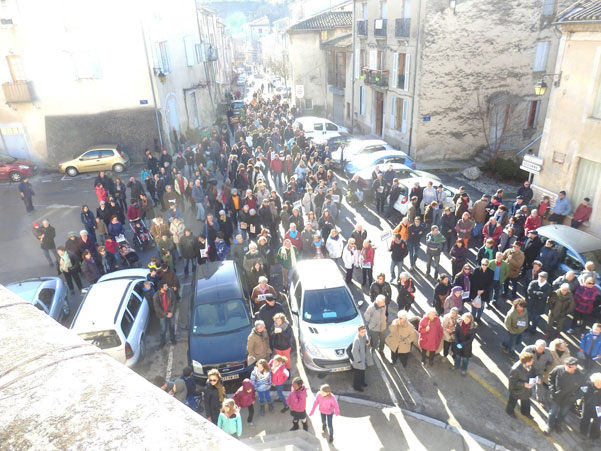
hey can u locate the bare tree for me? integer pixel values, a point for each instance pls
(496, 114)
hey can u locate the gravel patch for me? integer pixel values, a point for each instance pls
(486, 184)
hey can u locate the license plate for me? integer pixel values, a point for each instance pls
(230, 378)
(342, 368)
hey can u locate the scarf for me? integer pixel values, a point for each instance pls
(65, 263)
(317, 243)
(464, 327)
(293, 234)
(284, 254)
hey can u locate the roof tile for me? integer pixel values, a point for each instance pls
(324, 21)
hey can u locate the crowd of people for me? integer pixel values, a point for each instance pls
(262, 195)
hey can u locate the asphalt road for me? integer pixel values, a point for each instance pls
(474, 403)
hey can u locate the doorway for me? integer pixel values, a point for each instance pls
(379, 113)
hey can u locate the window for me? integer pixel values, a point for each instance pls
(298, 292)
(341, 70)
(373, 59)
(383, 10)
(308, 104)
(324, 35)
(572, 262)
(532, 113)
(127, 323)
(87, 65)
(364, 9)
(190, 49)
(134, 304)
(220, 317)
(586, 181)
(398, 114)
(361, 100)
(548, 7)
(318, 127)
(198, 51)
(91, 155)
(363, 58)
(162, 55)
(334, 305)
(107, 153)
(331, 56)
(380, 61)
(407, 9)
(348, 110)
(400, 71)
(540, 56)
(331, 127)
(15, 66)
(46, 295)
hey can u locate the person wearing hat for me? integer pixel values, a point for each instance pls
(549, 256)
(582, 213)
(515, 259)
(537, 296)
(564, 389)
(269, 309)
(517, 205)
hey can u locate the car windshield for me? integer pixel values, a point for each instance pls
(6, 159)
(593, 256)
(333, 305)
(104, 339)
(220, 317)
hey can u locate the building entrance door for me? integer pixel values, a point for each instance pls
(379, 113)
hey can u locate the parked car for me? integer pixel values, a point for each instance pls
(237, 109)
(333, 141)
(220, 322)
(316, 126)
(575, 248)
(14, 169)
(324, 315)
(114, 315)
(107, 157)
(402, 204)
(359, 147)
(401, 172)
(371, 160)
(47, 293)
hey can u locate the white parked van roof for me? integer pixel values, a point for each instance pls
(100, 306)
(319, 274)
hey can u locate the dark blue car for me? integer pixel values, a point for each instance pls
(220, 322)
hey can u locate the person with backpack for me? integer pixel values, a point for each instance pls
(297, 402)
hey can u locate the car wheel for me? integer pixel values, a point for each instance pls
(15, 176)
(71, 171)
(142, 349)
(118, 168)
(66, 308)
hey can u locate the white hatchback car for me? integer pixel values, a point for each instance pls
(359, 147)
(318, 126)
(325, 316)
(114, 315)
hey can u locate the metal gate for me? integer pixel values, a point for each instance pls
(14, 140)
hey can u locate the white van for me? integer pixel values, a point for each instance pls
(114, 316)
(318, 126)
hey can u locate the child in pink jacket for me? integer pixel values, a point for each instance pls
(297, 401)
(328, 406)
(279, 375)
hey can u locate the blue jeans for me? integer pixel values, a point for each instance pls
(264, 396)
(512, 341)
(514, 285)
(47, 255)
(557, 413)
(328, 417)
(533, 319)
(167, 323)
(413, 250)
(461, 362)
(280, 391)
(477, 312)
(200, 211)
(188, 261)
(477, 230)
(495, 290)
(394, 268)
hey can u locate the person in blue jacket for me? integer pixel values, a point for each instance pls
(590, 346)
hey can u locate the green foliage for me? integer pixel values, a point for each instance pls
(506, 169)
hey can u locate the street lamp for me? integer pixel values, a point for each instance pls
(540, 88)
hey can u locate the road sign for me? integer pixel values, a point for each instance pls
(531, 167)
(384, 236)
(534, 159)
(427, 118)
(299, 91)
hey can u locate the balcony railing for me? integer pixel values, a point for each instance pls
(380, 28)
(362, 27)
(375, 77)
(402, 28)
(19, 92)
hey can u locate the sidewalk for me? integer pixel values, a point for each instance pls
(361, 425)
(444, 165)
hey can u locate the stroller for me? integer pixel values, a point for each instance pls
(141, 234)
(128, 255)
(355, 198)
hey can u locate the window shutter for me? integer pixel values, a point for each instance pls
(157, 56)
(357, 63)
(407, 9)
(407, 64)
(395, 71)
(361, 100)
(540, 56)
(189, 47)
(392, 110)
(373, 59)
(405, 112)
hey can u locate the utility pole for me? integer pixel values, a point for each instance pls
(353, 75)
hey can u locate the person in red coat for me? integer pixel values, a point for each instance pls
(533, 222)
(294, 236)
(245, 397)
(492, 229)
(582, 213)
(430, 335)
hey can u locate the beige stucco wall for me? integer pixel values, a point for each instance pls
(570, 128)
(309, 69)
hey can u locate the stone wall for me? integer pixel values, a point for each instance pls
(133, 129)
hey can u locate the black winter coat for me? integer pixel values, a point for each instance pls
(283, 340)
(187, 245)
(465, 340)
(564, 387)
(212, 403)
(538, 296)
(481, 280)
(518, 376)
(399, 250)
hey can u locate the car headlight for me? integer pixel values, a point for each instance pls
(312, 350)
(22, 166)
(197, 367)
